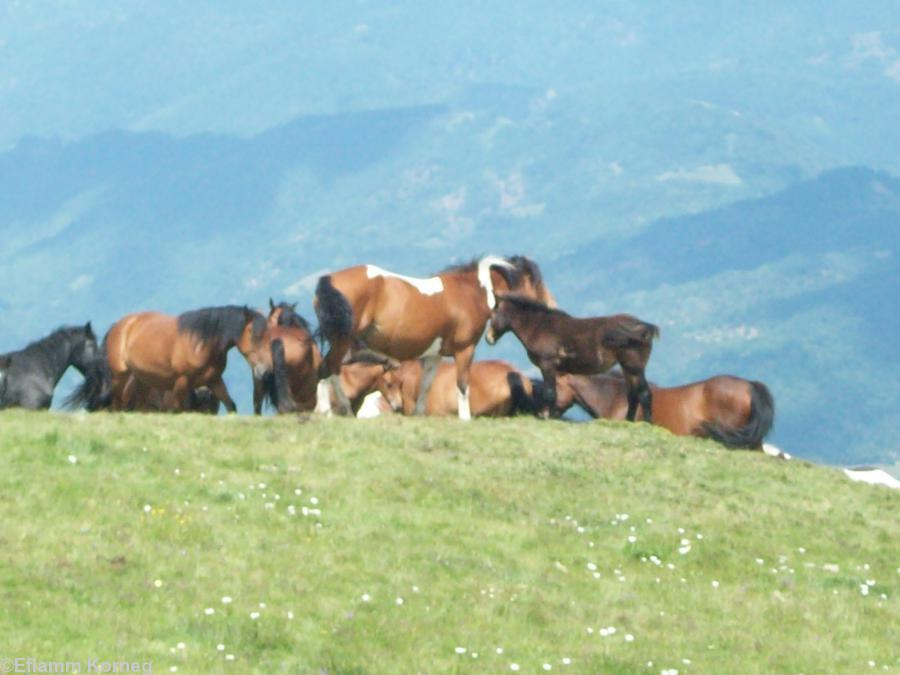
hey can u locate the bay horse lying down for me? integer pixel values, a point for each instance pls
(735, 412)
(29, 376)
(497, 389)
(171, 354)
(407, 318)
(556, 342)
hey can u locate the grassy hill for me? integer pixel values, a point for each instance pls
(403, 545)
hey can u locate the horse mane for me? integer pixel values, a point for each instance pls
(367, 356)
(45, 345)
(224, 325)
(470, 266)
(521, 266)
(289, 317)
(529, 304)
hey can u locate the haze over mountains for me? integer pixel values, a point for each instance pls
(729, 174)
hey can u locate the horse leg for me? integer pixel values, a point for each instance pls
(330, 371)
(218, 388)
(638, 393)
(548, 373)
(180, 392)
(429, 369)
(258, 393)
(463, 365)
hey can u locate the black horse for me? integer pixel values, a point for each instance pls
(33, 373)
(556, 342)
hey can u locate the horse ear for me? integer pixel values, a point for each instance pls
(294, 306)
(88, 329)
(271, 304)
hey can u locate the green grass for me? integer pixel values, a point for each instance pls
(488, 531)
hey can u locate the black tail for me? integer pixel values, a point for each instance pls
(95, 393)
(522, 402)
(333, 311)
(276, 386)
(751, 435)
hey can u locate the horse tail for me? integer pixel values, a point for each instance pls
(759, 422)
(95, 392)
(276, 388)
(631, 333)
(333, 311)
(522, 401)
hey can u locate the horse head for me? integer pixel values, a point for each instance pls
(253, 342)
(399, 382)
(500, 322)
(85, 350)
(285, 314)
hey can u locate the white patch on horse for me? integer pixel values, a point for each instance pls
(373, 405)
(462, 402)
(430, 286)
(484, 276)
(323, 397)
(873, 477)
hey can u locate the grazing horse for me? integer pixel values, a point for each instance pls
(172, 354)
(406, 318)
(29, 376)
(556, 342)
(735, 412)
(285, 367)
(497, 389)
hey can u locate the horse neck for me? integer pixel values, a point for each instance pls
(470, 285)
(54, 359)
(522, 321)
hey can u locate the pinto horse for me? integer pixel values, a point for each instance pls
(29, 376)
(172, 354)
(497, 389)
(737, 413)
(406, 318)
(556, 342)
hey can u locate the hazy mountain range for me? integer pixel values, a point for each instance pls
(689, 165)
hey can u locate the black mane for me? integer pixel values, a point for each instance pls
(223, 325)
(528, 304)
(521, 265)
(49, 345)
(290, 317)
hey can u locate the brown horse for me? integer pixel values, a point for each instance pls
(294, 359)
(286, 364)
(731, 410)
(173, 354)
(406, 318)
(556, 342)
(497, 389)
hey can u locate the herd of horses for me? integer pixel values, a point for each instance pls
(387, 336)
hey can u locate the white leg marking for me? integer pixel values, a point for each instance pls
(371, 406)
(323, 397)
(462, 400)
